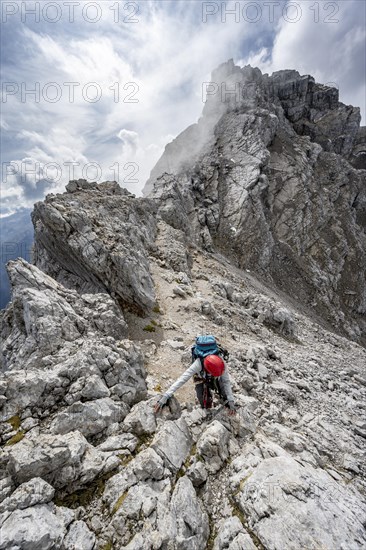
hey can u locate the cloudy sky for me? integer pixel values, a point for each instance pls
(113, 82)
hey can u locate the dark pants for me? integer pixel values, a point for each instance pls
(205, 389)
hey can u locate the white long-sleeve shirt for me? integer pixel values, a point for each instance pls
(196, 368)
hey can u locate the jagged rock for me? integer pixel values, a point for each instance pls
(117, 486)
(233, 536)
(281, 499)
(250, 403)
(42, 526)
(286, 437)
(284, 389)
(197, 473)
(43, 315)
(171, 248)
(213, 446)
(79, 536)
(34, 491)
(191, 521)
(173, 443)
(96, 239)
(70, 460)
(279, 319)
(148, 465)
(87, 388)
(137, 543)
(6, 487)
(140, 499)
(141, 420)
(77, 185)
(179, 291)
(267, 184)
(92, 367)
(90, 418)
(122, 441)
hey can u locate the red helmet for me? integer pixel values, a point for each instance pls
(214, 365)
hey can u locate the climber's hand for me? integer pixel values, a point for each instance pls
(157, 407)
(160, 404)
(231, 409)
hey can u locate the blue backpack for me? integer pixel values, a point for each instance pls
(207, 345)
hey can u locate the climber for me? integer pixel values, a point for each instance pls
(209, 373)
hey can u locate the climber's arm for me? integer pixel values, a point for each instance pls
(195, 368)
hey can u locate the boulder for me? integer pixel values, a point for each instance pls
(90, 418)
(32, 492)
(233, 536)
(61, 460)
(173, 443)
(96, 240)
(141, 419)
(197, 473)
(115, 442)
(192, 524)
(79, 536)
(213, 446)
(147, 465)
(40, 526)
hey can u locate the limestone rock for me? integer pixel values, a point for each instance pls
(79, 536)
(171, 248)
(37, 527)
(67, 460)
(232, 535)
(197, 473)
(213, 446)
(97, 238)
(281, 494)
(115, 442)
(191, 520)
(43, 314)
(141, 420)
(32, 492)
(148, 465)
(173, 443)
(265, 191)
(89, 418)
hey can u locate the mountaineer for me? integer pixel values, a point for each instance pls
(209, 373)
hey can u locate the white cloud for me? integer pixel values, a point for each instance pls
(3, 124)
(161, 62)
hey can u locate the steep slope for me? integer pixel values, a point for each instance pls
(103, 323)
(278, 185)
(87, 464)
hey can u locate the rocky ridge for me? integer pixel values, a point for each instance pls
(277, 184)
(103, 323)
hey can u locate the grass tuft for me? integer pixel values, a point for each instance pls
(14, 422)
(15, 439)
(150, 327)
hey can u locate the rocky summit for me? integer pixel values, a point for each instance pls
(252, 229)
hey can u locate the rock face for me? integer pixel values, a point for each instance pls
(278, 484)
(95, 239)
(105, 322)
(278, 187)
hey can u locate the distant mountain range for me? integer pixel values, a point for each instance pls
(16, 235)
